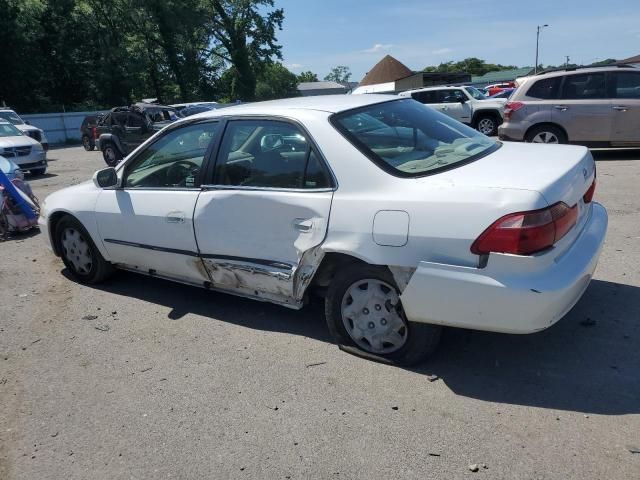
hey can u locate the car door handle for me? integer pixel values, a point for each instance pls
(562, 108)
(620, 108)
(175, 217)
(303, 224)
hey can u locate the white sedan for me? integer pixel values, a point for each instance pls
(404, 219)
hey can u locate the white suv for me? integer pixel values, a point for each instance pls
(465, 104)
(26, 128)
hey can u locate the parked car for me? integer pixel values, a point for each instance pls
(89, 131)
(10, 169)
(498, 87)
(403, 218)
(121, 130)
(24, 126)
(504, 93)
(596, 106)
(465, 104)
(188, 109)
(22, 149)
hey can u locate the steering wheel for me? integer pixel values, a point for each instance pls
(178, 172)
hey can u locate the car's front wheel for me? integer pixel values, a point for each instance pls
(365, 316)
(79, 253)
(487, 124)
(111, 154)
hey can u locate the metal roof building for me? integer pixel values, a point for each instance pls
(308, 89)
(500, 76)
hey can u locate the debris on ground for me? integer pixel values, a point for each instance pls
(433, 378)
(474, 467)
(145, 369)
(633, 449)
(89, 317)
(103, 328)
(434, 454)
(394, 408)
(314, 364)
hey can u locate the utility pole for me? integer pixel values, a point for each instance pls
(566, 63)
(540, 27)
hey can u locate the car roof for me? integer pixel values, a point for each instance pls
(580, 70)
(323, 103)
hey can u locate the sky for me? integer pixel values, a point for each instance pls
(320, 34)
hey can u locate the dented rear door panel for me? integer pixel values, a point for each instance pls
(260, 242)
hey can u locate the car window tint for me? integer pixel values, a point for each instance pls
(119, 118)
(545, 89)
(264, 153)
(316, 175)
(584, 86)
(426, 97)
(453, 96)
(413, 139)
(135, 120)
(627, 85)
(174, 160)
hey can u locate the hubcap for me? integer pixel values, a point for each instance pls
(372, 317)
(86, 142)
(486, 126)
(110, 154)
(76, 250)
(545, 137)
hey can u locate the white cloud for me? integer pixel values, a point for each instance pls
(378, 47)
(442, 51)
(294, 66)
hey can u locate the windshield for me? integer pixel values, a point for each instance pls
(12, 117)
(409, 139)
(475, 93)
(8, 130)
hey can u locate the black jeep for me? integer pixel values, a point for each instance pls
(124, 128)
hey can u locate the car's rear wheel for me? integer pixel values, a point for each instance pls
(365, 316)
(546, 134)
(111, 154)
(87, 143)
(79, 253)
(487, 124)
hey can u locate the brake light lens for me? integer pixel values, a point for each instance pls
(588, 195)
(94, 132)
(525, 233)
(511, 107)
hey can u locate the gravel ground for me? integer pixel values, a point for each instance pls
(141, 378)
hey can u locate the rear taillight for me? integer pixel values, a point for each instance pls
(511, 107)
(588, 195)
(525, 233)
(94, 132)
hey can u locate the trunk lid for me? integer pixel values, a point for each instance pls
(560, 173)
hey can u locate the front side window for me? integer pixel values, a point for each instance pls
(584, 86)
(174, 160)
(268, 153)
(135, 120)
(475, 93)
(545, 89)
(453, 96)
(627, 85)
(414, 140)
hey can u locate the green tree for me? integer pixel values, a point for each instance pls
(471, 65)
(339, 74)
(275, 81)
(307, 76)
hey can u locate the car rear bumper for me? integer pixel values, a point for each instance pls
(501, 301)
(510, 133)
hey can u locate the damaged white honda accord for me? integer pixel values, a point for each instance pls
(404, 219)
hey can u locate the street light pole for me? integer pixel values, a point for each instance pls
(540, 27)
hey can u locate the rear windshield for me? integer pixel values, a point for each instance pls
(409, 139)
(8, 130)
(11, 116)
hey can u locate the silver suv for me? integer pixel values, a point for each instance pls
(597, 106)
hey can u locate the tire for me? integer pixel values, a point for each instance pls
(88, 144)
(38, 171)
(111, 154)
(79, 254)
(412, 342)
(545, 134)
(487, 124)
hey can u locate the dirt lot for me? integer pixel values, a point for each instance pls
(140, 378)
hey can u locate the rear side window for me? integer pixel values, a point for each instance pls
(411, 140)
(270, 154)
(545, 89)
(584, 86)
(626, 85)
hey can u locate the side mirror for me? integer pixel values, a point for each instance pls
(105, 178)
(463, 99)
(27, 122)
